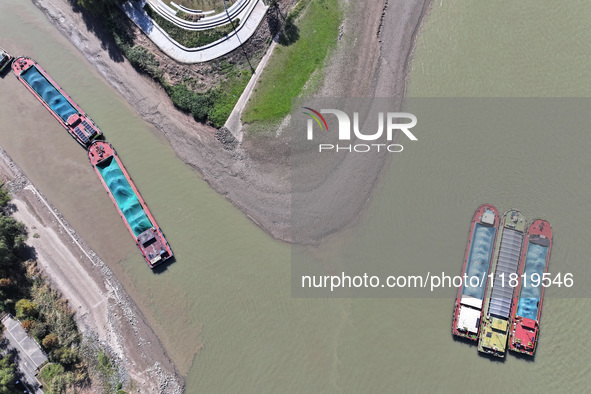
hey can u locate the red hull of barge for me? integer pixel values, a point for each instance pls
(99, 152)
(527, 330)
(475, 219)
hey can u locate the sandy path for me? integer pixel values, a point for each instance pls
(63, 268)
(103, 308)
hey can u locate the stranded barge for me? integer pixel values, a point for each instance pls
(132, 208)
(527, 309)
(53, 97)
(481, 241)
(495, 323)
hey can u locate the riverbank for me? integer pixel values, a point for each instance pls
(103, 310)
(254, 176)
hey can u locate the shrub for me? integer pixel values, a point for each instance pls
(7, 373)
(198, 104)
(25, 309)
(66, 356)
(50, 341)
(28, 325)
(4, 197)
(50, 372)
(145, 60)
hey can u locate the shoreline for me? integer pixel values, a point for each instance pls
(102, 307)
(254, 176)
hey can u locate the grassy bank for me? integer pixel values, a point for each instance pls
(311, 30)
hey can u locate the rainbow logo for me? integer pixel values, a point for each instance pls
(318, 115)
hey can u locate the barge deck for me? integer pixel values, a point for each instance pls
(477, 259)
(131, 207)
(58, 103)
(495, 323)
(527, 308)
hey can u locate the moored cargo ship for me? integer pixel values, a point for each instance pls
(469, 301)
(57, 102)
(132, 208)
(5, 59)
(495, 322)
(527, 307)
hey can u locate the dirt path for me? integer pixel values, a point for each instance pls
(103, 308)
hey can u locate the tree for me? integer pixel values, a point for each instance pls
(39, 330)
(25, 309)
(7, 370)
(145, 60)
(12, 237)
(58, 384)
(50, 341)
(66, 356)
(28, 325)
(97, 6)
(4, 197)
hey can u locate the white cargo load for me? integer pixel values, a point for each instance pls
(468, 319)
(475, 303)
(488, 217)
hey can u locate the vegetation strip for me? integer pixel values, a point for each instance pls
(310, 31)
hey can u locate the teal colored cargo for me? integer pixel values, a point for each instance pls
(529, 299)
(52, 97)
(126, 199)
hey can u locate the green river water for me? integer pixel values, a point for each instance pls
(224, 309)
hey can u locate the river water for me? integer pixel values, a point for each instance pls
(224, 309)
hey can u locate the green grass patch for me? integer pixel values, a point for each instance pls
(104, 363)
(102, 366)
(50, 371)
(52, 376)
(303, 48)
(188, 17)
(204, 5)
(191, 38)
(227, 95)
